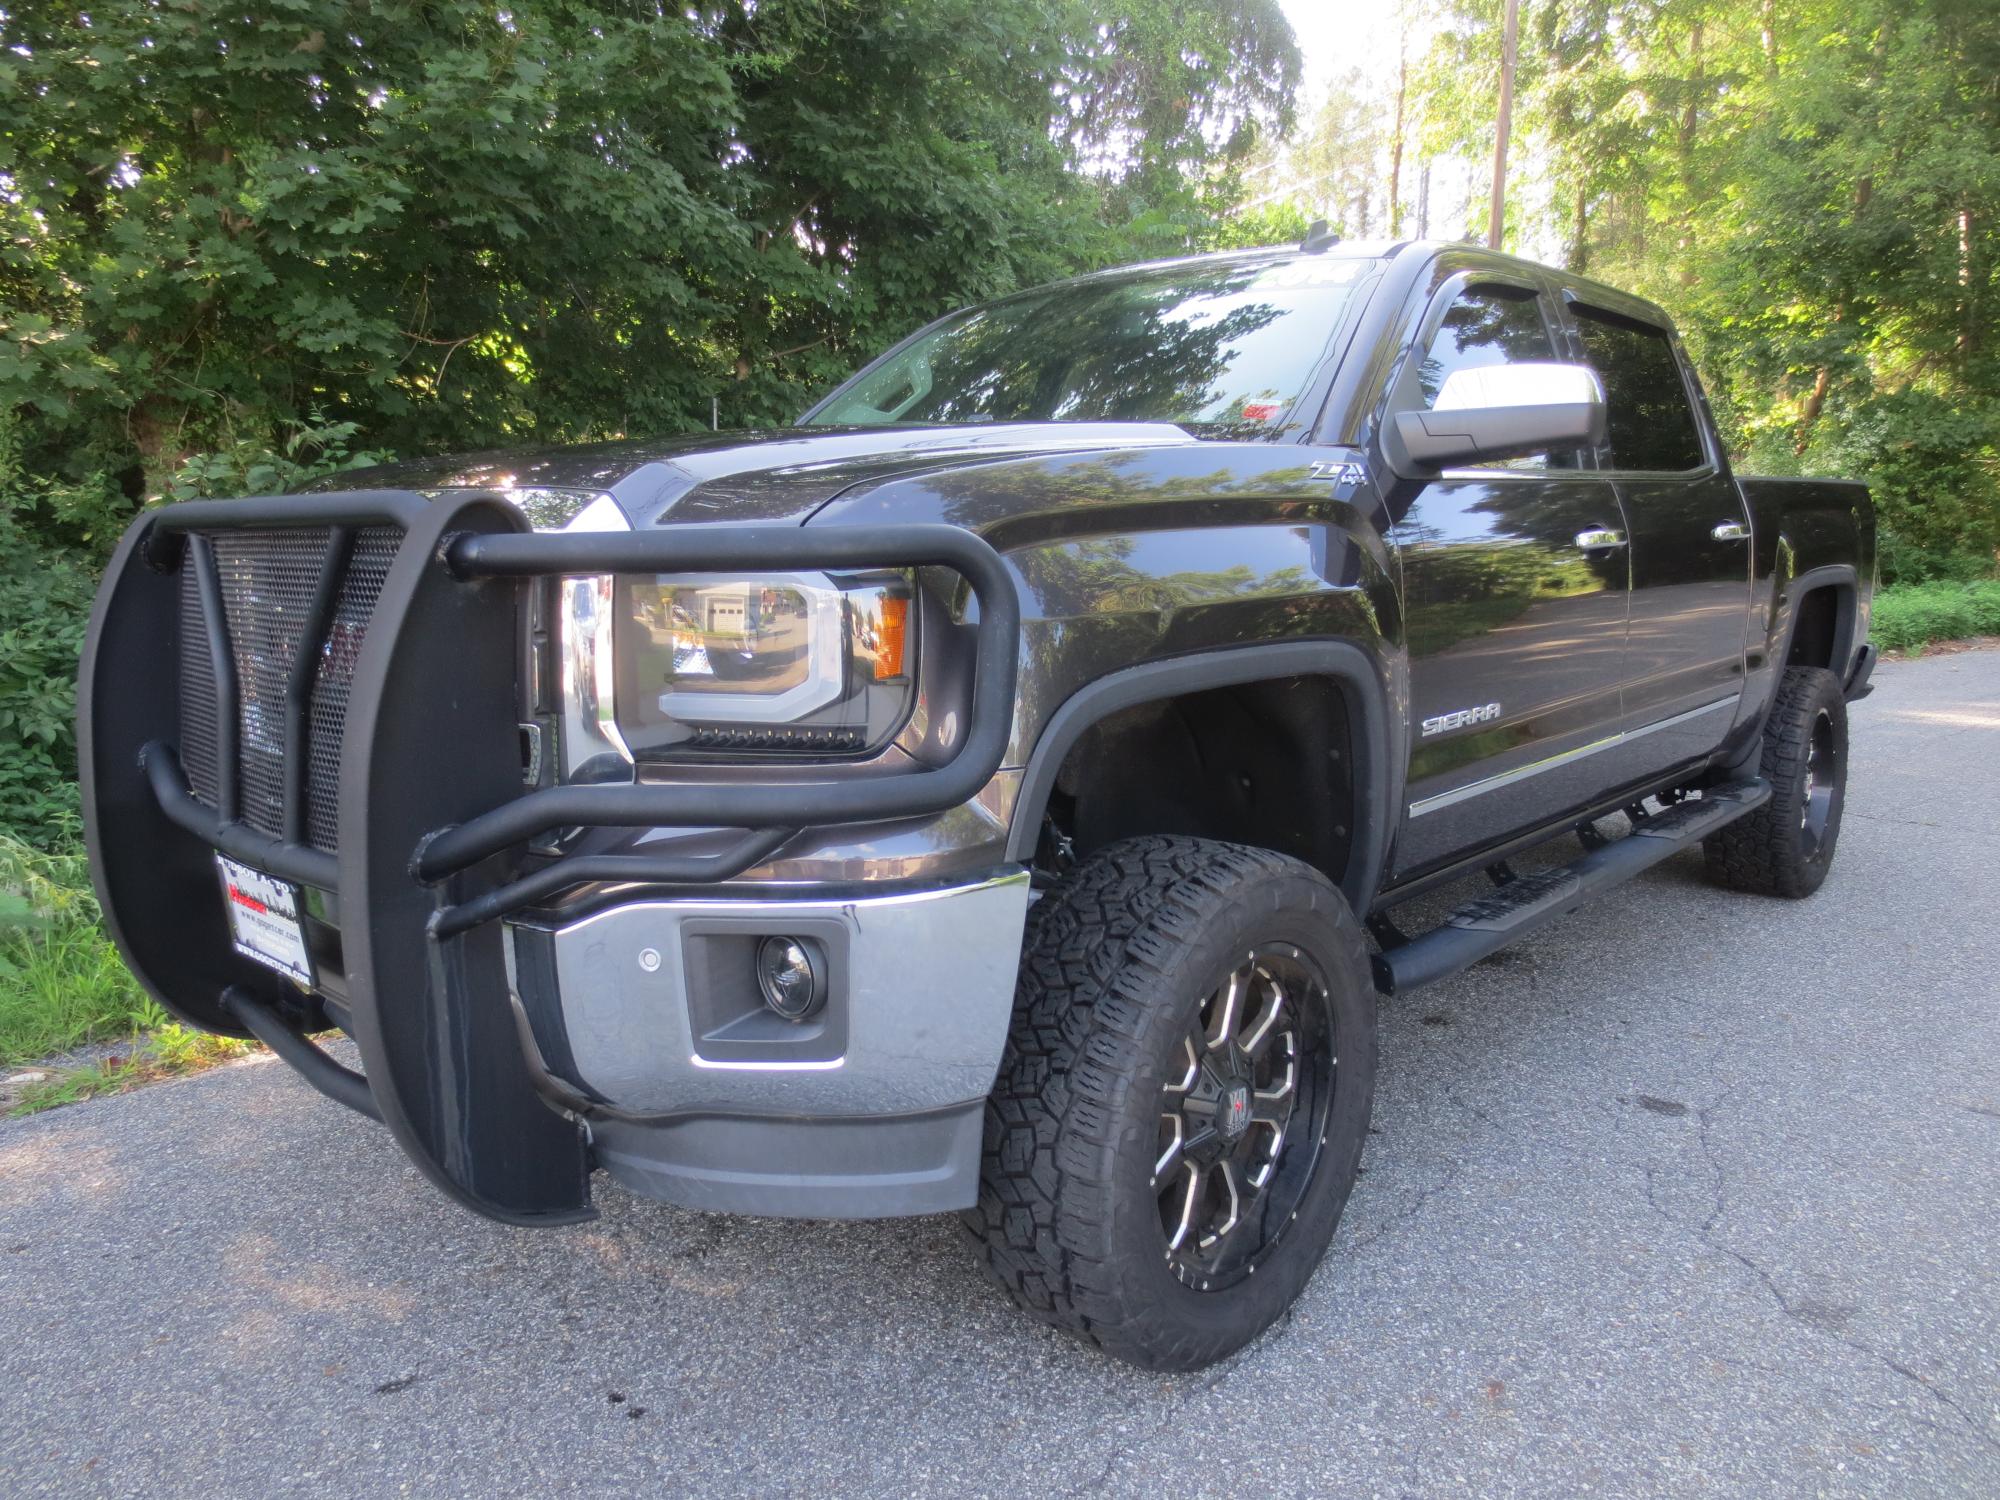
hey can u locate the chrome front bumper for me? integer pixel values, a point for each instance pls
(704, 1097)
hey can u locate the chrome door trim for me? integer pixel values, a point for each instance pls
(1520, 773)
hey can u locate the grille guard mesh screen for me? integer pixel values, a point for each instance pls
(269, 576)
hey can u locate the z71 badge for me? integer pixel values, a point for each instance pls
(1339, 473)
(1461, 718)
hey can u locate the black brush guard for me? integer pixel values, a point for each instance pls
(433, 817)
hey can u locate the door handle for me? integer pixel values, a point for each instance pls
(1731, 531)
(1599, 538)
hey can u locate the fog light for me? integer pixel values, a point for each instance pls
(792, 975)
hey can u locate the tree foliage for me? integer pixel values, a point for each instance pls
(243, 245)
(450, 223)
(1813, 188)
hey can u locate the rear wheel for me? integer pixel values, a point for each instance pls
(1786, 847)
(1178, 1119)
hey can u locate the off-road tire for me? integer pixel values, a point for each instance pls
(1778, 850)
(1118, 956)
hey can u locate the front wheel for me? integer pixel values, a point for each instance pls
(1786, 847)
(1179, 1116)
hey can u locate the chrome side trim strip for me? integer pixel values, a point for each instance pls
(1520, 773)
(1507, 778)
(1693, 713)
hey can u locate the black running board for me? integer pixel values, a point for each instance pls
(1522, 906)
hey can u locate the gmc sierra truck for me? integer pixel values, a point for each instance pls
(993, 793)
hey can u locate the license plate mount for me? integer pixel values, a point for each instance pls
(264, 920)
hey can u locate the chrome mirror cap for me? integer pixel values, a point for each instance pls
(1489, 387)
(1498, 411)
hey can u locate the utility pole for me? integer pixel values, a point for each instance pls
(1396, 150)
(1509, 50)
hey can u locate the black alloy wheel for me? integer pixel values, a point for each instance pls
(1179, 1115)
(1786, 847)
(1825, 781)
(1241, 1118)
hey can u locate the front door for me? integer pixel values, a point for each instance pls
(1690, 545)
(1515, 584)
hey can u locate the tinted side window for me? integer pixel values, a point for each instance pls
(1652, 426)
(1490, 325)
(1484, 326)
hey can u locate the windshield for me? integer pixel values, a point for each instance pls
(1227, 347)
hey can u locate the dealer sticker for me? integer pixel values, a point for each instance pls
(264, 919)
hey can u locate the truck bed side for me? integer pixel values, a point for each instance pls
(1813, 578)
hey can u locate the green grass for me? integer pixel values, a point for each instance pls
(63, 986)
(1911, 615)
(61, 981)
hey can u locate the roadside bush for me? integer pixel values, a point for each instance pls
(45, 595)
(1933, 469)
(1916, 614)
(54, 536)
(1904, 562)
(249, 466)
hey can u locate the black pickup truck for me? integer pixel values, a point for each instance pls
(980, 796)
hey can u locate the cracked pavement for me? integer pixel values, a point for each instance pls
(1690, 1194)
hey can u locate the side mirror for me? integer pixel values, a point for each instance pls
(1498, 411)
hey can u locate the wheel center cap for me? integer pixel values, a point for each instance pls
(1235, 1111)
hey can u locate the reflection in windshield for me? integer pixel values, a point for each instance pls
(1224, 346)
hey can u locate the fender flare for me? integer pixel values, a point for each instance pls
(1356, 671)
(1845, 581)
(1743, 745)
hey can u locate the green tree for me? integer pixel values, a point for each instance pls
(452, 224)
(239, 247)
(1813, 189)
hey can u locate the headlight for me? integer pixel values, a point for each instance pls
(802, 662)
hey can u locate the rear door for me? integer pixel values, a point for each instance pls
(1690, 539)
(1515, 622)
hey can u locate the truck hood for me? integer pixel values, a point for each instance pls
(775, 476)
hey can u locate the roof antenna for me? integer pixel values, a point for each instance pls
(1319, 239)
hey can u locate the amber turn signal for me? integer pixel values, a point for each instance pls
(894, 632)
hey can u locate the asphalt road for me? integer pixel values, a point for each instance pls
(1691, 1194)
